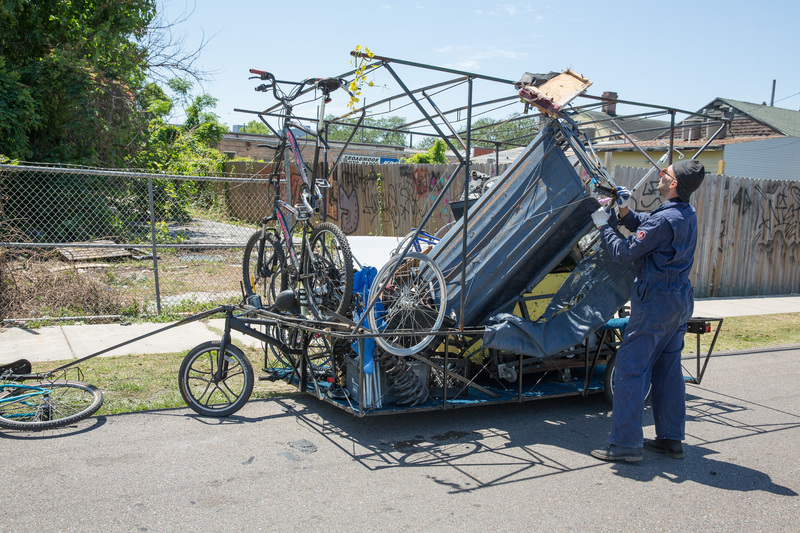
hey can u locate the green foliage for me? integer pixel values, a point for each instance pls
(487, 131)
(340, 132)
(256, 126)
(68, 78)
(434, 155)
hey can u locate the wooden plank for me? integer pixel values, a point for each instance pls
(90, 254)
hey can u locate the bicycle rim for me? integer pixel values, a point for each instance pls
(58, 404)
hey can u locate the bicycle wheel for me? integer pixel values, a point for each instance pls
(202, 392)
(319, 350)
(608, 381)
(49, 405)
(331, 263)
(414, 297)
(444, 229)
(272, 277)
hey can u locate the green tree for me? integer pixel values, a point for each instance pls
(517, 128)
(384, 135)
(434, 155)
(256, 126)
(75, 68)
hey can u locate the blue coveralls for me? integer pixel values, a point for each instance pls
(662, 250)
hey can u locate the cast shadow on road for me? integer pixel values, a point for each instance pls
(84, 426)
(482, 447)
(700, 468)
(288, 408)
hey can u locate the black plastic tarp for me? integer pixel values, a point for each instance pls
(517, 232)
(588, 298)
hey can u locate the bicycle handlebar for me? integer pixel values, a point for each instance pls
(326, 85)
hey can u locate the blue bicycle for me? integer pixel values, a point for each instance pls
(45, 403)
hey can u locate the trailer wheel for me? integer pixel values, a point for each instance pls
(608, 381)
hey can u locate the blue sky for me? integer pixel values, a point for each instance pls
(679, 54)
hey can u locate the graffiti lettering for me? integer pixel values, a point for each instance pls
(348, 204)
(742, 199)
(778, 215)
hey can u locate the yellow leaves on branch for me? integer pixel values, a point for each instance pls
(361, 63)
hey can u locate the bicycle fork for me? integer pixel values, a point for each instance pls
(221, 372)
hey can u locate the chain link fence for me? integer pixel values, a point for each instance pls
(80, 242)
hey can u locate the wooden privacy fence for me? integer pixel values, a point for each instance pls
(386, 200)
(748, 232)
(749, 229)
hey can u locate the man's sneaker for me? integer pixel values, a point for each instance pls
(618, 453)
(669, 447)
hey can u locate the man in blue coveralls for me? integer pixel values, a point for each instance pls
(662, 300)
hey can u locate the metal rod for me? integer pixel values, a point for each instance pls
(465, 224)
(153, 238)
(665, 108)
(425, 113)
(446, 122)
(457, 109)
(709, 141)
(397, 96)
(341, 152)
(634, 144)
(182, 322)
(671, 135)
(387, 60)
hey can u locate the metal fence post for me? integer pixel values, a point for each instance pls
(153, 237)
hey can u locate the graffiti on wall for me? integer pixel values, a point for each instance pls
(408, 192)
(778, 213)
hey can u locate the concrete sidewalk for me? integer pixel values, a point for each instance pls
(73, 342)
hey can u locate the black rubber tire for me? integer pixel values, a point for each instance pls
(196, 382)
(68, 402)
(274, 279)
(608, 381)
(331, 286)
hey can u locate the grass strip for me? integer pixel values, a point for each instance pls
(150, 381)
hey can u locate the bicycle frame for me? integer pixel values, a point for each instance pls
(18, 398)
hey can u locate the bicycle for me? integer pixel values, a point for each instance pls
(45, 404)
(321, 274)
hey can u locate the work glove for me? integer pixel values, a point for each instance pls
(600, 217)
(623, 196)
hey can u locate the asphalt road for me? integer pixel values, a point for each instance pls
(298, 464)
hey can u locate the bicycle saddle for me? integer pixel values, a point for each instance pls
(21, 366)
(328, 85)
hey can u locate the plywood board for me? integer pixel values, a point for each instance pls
(553, 95)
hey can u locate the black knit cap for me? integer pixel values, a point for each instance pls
(690, 174)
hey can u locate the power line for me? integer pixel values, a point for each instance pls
(785, 97)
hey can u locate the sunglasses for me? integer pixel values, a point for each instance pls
(663, 172)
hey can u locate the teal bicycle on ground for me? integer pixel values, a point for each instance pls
(47, 400)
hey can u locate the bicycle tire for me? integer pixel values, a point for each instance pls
(197, 386)
(444, 229)
(414, 297)
(273, 278)
(67, 403)
(319, 350)
(608, 381)
(331, 263)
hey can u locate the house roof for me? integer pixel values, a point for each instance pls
(661, 144)
(643, 129)
(786, 121)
